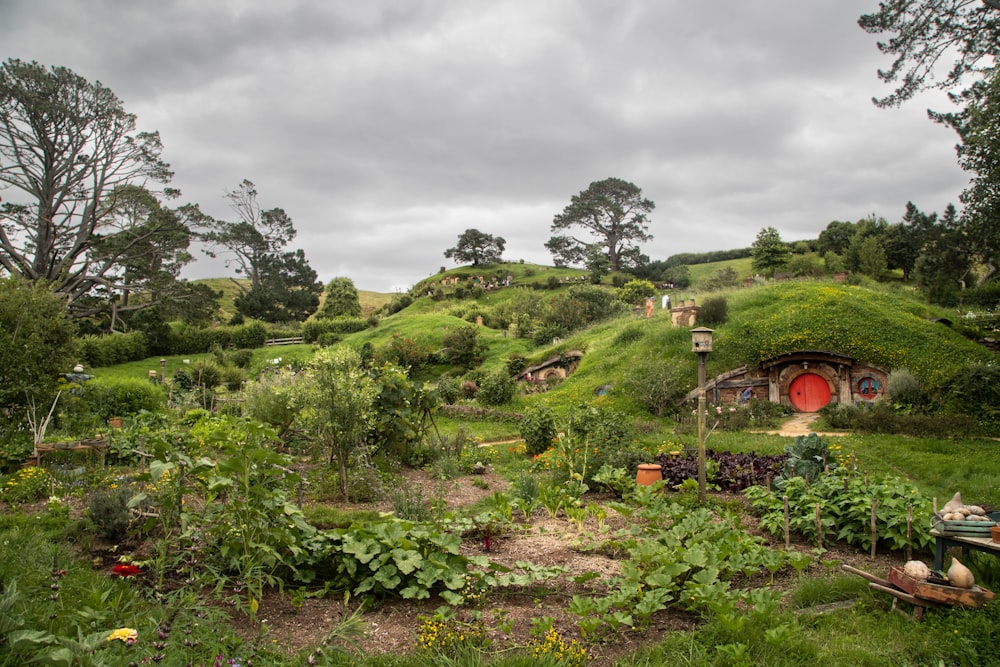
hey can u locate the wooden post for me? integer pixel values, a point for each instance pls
(909, 532)
(788, 541)
(874, 528)
(819, 529)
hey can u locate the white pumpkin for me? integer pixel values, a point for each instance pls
(916, 569)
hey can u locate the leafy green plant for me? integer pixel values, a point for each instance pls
(25, 485)
(538, 429)
(845, 500)
(496, 389)
(108, 510)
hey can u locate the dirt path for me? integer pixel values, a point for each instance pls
(799, 424)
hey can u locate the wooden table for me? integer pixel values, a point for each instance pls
(942, 542)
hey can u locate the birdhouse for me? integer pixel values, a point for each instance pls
(701, 339)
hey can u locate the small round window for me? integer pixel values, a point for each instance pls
(869, 388)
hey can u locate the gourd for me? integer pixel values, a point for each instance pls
(960, 576)
(956, 510)
(916, 569)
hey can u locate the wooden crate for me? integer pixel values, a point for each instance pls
(977, 596)
(965, 528)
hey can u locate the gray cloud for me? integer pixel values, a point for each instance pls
(385, 129)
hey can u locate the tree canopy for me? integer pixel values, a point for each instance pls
(282, 285)
(924, 33)
(979, 153)
(474, 247)
(615, 213)
(769, 252)
(83, 217)
(341, 299)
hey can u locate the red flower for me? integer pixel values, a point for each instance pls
(126, 570)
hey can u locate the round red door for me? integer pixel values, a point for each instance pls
(809, 392)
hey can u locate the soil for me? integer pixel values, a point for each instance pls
(393, 626)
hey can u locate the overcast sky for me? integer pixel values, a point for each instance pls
(386, 129)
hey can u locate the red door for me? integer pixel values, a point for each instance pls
(809, 392)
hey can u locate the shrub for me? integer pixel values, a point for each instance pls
(975, 391)
(636, 291)
(205, 373)
(106, 398)
(469, 389)
(658, 386)
(108, 510)
(233, 377)
(25, 485)
(406, 352)
(906, 391)
(449, 389)
(241, 358)
(113, 349)
(496, 389)
(714, 310)
(462, 347)
(312, 330)
(538, 429)
(272, 399)
(515, 364)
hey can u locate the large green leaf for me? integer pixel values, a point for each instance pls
(407, 560)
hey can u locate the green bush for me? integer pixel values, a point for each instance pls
(25, 485)
(113, 349)
(538, 429)
(975, 391)
(206, 373)
(714, 311)
(108, 510)
(197, 340)
(241, 358)
(906, 391)
(313, 329)
(233, 377)
(449, 389)
(120, 397)
(496, 389)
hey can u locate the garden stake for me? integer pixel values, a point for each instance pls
(874, 534)
(819, 529)
(909, 532)
(787, 539)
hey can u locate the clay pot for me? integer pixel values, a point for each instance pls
(648, 474)
(995, 534)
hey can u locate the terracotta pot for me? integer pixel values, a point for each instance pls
(648, 473)
(995, 533)
(115, 422)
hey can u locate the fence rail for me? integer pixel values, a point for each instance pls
(294, 340)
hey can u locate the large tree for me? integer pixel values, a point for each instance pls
(923, 34)
(474, 247)
(81, 215)
(280, 284)
(341, 299)
(613, 212)
(769, 252)
(287, 290)
(979, 153)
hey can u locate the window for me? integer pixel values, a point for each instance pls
(869, 388)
